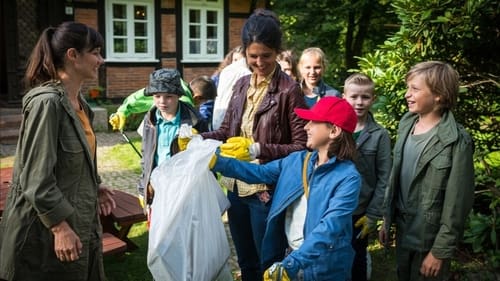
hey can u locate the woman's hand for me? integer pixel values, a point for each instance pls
(67, 244)
(106, 201)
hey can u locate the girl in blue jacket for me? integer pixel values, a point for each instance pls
(309, 227)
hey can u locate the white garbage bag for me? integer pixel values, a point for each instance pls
(187, 240)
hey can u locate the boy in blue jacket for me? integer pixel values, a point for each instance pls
(309, 227)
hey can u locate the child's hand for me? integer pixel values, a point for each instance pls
(276, 272)
(186, 133)
(368, 225)
(431, 266)
(117, 121)
(384, 235)
(212, 162)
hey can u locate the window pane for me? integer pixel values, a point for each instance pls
(211, 17)
(194, 47)
(141, 29)
(194, 16)
(119, 11)
(194, 31)
(211, 32)
(119, 28)
(211, 47)
(120, 45)
(141, 45)
(140, 13)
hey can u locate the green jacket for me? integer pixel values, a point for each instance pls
(441, 194)
(54, 179)
(137, 102)
(374, 165)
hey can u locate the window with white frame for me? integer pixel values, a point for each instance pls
(130, 30)
(203, 30)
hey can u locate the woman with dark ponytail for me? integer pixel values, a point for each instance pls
(50, 228)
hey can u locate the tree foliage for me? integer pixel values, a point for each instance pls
(343, 29)
(463, 33)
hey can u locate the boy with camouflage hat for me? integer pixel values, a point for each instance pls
(162, 123)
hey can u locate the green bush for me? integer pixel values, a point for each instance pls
(462, 34)
(482, 233)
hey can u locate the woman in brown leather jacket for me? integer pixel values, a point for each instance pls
(261, 110)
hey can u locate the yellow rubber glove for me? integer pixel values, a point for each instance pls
(237, 147)
(276, 272)
(117, 120)
(212, 162)
(369, 225)
(184, 139)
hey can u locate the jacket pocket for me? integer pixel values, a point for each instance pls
(439, 170)
(70, 162)
(432, 223)
(435, 181)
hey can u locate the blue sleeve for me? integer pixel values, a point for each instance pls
(250, 173)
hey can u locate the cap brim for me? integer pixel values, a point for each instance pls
(307, 114)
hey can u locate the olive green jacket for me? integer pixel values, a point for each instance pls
(441, 193)
(54, 179)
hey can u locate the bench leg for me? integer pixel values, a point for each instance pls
(123, 235)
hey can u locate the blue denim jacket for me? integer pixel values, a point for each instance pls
(326, 253)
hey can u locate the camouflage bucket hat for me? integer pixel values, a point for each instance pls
(164, 81)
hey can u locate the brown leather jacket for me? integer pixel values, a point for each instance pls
(277, 128)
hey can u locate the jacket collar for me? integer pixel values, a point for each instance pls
(446, 134)
(187, 114)
(275, 79)
(370, 126)
(446, 131)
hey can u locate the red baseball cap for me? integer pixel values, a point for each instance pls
(333, 110)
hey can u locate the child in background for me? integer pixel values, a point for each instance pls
(431, 189)
(227, 79)
(232, 56)
(373, 163)
(204, 93)
(312, 64)
(288, 63)
(315, 195)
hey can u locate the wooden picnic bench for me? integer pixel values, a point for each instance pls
(5, 179)
(128, 212)
(111, 244)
